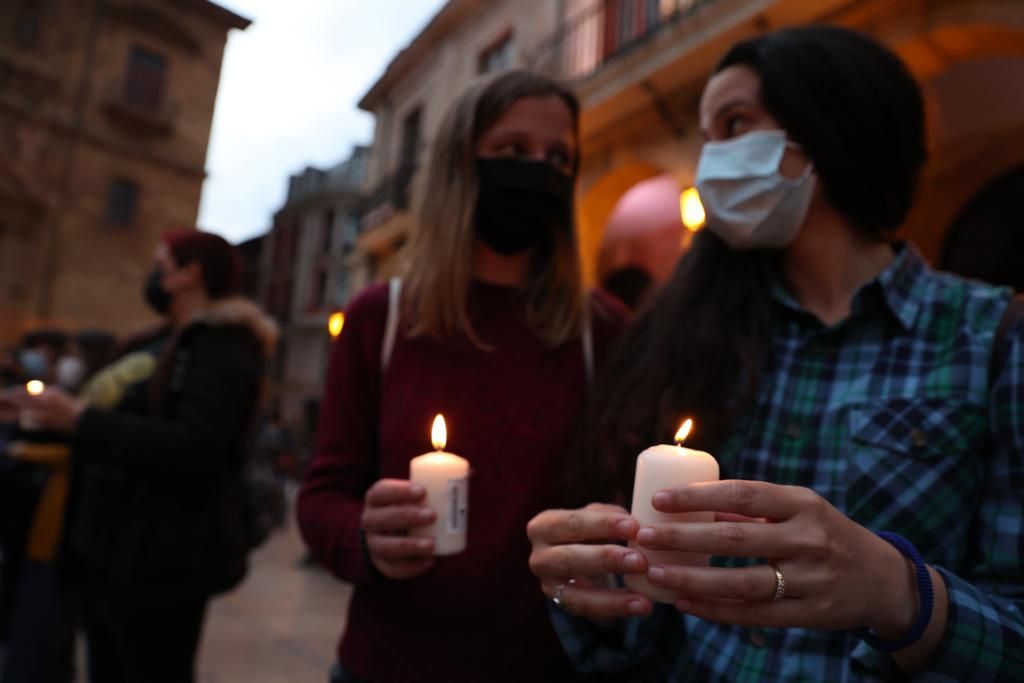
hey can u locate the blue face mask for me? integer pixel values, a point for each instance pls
(750, 205)
(33, 363)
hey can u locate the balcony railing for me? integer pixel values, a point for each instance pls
(599, 31)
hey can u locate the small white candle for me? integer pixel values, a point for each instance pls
(445, 476)
(663, 467)
(27, 419)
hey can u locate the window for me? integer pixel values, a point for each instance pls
(410, 138)
(328, 230)
(341, 287)
(497, 57)
(350, 230)
(318, 296)
(121, 201)
(144, 79)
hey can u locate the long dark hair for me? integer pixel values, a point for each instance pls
(700, 350)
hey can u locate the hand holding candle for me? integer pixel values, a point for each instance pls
(658, 468)
(446, 478)
(28, 420)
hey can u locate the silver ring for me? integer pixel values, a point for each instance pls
(558, 599)
(780, 584)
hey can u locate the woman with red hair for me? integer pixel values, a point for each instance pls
(156, 523)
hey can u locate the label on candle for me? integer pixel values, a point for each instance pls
(458, 505)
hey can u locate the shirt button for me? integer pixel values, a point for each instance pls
(793, 431)
(758, 638)
(918, 438)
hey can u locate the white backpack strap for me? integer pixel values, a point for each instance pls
(588, 345)
(391, 327)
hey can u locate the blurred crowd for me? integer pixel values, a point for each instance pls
(136, 474)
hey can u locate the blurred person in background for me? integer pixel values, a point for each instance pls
(41, 609)
(157, 515)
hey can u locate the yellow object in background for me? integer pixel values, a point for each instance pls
(48, 524)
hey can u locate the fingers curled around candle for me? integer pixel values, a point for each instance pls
(394, 491)
(398, 548)
(743, 497)
(586, 560)
(557, 527)
(587, 600)
(751, 584)
(397, 518)
(725, 539)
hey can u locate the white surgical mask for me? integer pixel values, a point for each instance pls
(749, 204)
(70, 372)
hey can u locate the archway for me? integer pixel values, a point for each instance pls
(970, 66)
(597, 203)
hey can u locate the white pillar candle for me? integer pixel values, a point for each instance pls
(445, 476)
(28, 421)
(664, 467)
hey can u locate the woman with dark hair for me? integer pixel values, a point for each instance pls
(866, 411)
(490, 325)
(156, 522)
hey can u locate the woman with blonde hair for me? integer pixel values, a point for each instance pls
(490, 326)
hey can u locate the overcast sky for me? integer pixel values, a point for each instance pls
(287, 99)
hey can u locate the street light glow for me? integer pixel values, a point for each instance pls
(335, 324)
(692, 209)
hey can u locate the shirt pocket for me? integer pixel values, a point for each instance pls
(915, 467)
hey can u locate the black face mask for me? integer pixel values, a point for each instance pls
(156, 296)
(521, 204)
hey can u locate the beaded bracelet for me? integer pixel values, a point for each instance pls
(926, 595)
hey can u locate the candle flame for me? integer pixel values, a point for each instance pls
(684, 431)
(35, 387)
(439, 433)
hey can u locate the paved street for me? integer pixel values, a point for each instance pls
(280, 626)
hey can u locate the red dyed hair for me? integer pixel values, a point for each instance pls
(219, 262)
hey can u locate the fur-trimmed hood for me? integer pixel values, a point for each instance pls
(239, 311)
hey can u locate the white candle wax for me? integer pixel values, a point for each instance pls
(658, 468)
(445, 476)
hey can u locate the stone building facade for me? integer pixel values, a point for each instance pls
(307, 263)
(105, 114)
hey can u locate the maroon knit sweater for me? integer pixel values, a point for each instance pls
(480, 615)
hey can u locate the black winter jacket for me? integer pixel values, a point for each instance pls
(158, 499)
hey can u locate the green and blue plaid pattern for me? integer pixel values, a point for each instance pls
(890, 415)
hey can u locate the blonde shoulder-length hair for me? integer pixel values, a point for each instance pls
(438, 267)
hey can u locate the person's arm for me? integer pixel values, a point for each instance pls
(213, 404)
(984, 635)
(345, 464)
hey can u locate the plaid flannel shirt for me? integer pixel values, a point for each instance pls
(892, 416)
